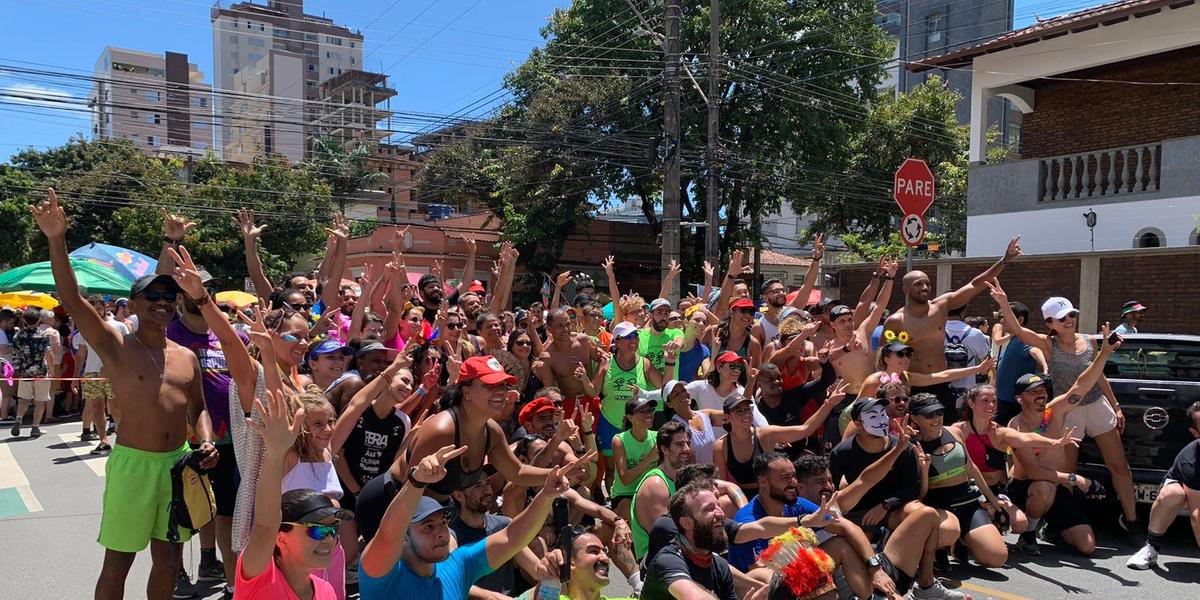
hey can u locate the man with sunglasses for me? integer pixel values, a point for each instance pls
(923, 318)
(159, 387)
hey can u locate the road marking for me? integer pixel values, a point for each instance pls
(979, 589)
(84, 451)
(13, 478)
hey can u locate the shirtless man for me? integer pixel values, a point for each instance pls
(158, 385)
(774, 295)
(854, 366)
(1039, 484)
(925, 321)
(568, 353)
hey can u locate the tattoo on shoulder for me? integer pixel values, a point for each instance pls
(1074, 399)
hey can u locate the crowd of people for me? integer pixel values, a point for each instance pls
(425, 442)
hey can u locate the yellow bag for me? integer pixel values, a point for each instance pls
(192, 502)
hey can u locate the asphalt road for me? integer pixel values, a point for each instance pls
(50, 493)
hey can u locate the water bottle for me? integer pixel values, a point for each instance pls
(549, 589)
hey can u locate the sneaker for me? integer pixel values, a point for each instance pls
(101, 448)
(1135, 531)
(1027, 543)
(1144, 559)
(937, 591)
(184, 588)
(87, 436)
(16, 428)
(227, 593)
(214, 571)
(941, 561)
(35, 432)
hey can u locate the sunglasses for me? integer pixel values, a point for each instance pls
(317, 532)
(456, 325)
(904, 353)
(675, 318)
(523, 343)
(745, 311)
(289, 338)
(899, 399)
(168, 295)
(1071, 315)
(736, 366)
(935, 414)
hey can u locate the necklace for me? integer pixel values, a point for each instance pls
(162, 371)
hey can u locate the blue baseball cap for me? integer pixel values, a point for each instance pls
(329, 347)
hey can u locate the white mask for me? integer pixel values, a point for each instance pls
(875, 421)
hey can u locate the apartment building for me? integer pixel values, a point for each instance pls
(159, 101)
(245, 35)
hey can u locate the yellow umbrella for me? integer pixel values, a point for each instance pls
(237, 298)
(34, 299)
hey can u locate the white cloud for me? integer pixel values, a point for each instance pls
(32, 94)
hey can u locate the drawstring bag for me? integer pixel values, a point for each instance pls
(192, 502)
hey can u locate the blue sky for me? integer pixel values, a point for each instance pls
(458, 50)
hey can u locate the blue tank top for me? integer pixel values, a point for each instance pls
(1015, 361)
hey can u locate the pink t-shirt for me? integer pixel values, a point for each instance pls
(270, 584)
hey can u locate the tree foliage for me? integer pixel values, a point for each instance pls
(344, 167)
(15, 188)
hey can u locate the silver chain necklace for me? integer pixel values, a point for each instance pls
(162, 371)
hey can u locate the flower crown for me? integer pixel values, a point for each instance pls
(891, 336)
(801, 568)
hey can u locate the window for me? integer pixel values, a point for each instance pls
(133, 91)
(310, 37)
(351, 60)
(133, 114)
(1151, 238)
(153, 119)
(336, 41)
(153, 141)
(200, 124)
(257, 42)
(933, 28)
(331, 70)
(1153, 359)
(310, 53)
(158, 72)
(279, 46)
(312, 67)
(153, 95)
(199, 101)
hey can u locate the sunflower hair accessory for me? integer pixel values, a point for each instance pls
(891, 336)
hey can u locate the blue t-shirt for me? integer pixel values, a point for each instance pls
(690, 361)
(741, 556)
(1015, 361)
(452, 578)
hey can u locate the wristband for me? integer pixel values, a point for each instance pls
(587, 432)
(670, 364)
(172, 242)
(413, 480)
(201, 301)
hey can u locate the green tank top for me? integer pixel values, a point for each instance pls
(641, 537)
(635, 451)
(948, 465)
(616, 389)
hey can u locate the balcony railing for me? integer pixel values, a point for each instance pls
(1102, 173)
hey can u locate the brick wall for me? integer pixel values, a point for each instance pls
(1164, 279)
(1077, 116)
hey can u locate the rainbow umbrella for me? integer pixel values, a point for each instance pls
(127, 263)
(92, 278)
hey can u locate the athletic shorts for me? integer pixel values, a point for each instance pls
(1064, 513)
(604, 435)
(97, 389)
(34, 390)
(1091, 420)
(137, 498)
(225, 479)
(963, 502)
(593, 404)
(1183, 471)
(903, 581)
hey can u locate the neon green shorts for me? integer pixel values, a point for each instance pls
(137, 498)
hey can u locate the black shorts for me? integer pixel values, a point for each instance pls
(225, 479)
(963, 502)
(946, 394)
(903, 581)
(1064, 513)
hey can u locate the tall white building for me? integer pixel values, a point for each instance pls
(288, 52)
(159, 101)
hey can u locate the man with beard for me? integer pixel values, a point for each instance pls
(924, 320)
(774, 295)
(558, 440)
(158, 386)
(691, 566)
(655, 335)
(858, 361)
(1039, 486)
(472, 306)
(431, 292)
(564, 364)
(657, 486)
(476, 520)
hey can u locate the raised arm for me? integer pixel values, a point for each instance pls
(395, 295)
(1091, 375)
(966, 293)
(1030, 337)
(362, 400)
(926, 379)
(357, 316)
(810, 276)
(469, 270)
(672, 273)
(53, 222)
(888, 268)
(503, 545)
(613, 290)
(736, 268)
(773, 434)
(175, 228)
(706, 291)
(254, 268)
(852, 492)
(862, 309)
(332, 280)
(277, 434)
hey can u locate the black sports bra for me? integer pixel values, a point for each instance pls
(456, 476)
(742, 472)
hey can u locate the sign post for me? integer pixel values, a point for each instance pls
(913, 191)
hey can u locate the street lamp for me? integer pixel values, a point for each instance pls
(1089, 217)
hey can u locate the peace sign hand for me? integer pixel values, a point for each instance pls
(997, 292)
(432, 468)
(259, 335)
(277, 434)
(50, 216)
(560, 478)
(837, 392)
(1067, 439)
(186, 272)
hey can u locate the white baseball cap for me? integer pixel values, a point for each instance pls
(1057, 307)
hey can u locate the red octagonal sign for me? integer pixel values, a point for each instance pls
(913, 189)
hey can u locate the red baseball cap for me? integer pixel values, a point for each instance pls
(729, 356)
(741, 303)
(486, 368)
(476, 286)
(535, 407)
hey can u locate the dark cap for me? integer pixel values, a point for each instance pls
(735, 399)
(209, 281)
(636, 403)
(896, 346)
(1031, 381)
(146, 281)
(427, 507)
(309, 506)
(372, 347)
(865, 404)
(924, 405)
(427, 279)
(825, 303)
(840, 310)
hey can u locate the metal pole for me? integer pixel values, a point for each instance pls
(712, 242)
(908, 266)
(671, 205)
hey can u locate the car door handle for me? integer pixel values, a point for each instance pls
(1146, 392)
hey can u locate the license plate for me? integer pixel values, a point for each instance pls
(1145, 493)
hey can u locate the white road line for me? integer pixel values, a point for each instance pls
(83, 450)
(11, 476)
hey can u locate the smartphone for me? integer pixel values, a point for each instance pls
(1113, 338)
(561, 518)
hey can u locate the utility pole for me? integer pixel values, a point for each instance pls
(712, 243)
(671, 205)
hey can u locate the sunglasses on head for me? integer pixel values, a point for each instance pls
(317, 532)
(153, 296)
(1071, 315)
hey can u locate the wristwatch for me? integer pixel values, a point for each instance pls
(874, 562)
(1071, 479)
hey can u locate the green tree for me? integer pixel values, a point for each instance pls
(15, 193)
(344, 167)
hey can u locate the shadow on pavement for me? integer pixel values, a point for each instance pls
(1180, 572)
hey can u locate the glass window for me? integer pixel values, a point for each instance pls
(310, 37)
(312, 66)
(153, 141)
(1149, 240)
(1155, 360)
(153, 95)
(933, 28)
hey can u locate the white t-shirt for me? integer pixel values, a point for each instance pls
(977, 343)
(5, 345)
(707, 398)
(93, 364)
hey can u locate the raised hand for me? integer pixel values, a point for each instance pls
(609, 264)
(50, 216)
(429, 380)
(998, 294)
(1014, 249)
(432, 468)
(837, 392)
(586, 418)
(986, 365)
(559, 480)
(1067, 439)
(673, 268)
(277, 433)
(1109, 341)
(259, 336)
(245, 219)
(469, 241)
(563, 279)
(709, 271)
(567, 428)
(186, 273)
(398, 241)
(176, 227)
(818, 247)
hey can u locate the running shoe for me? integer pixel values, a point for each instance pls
(35, 432)
(211, 571)
(16, 428)
(101, 448)
(1027, 543)
(1144, 559)
(1135, 531)
(937, 591)
(184, 588)
(87, 436)
(941, 561)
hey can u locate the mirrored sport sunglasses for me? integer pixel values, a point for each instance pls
(290, 338)
(317, 532)
(1071, 315)
(153, 296)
